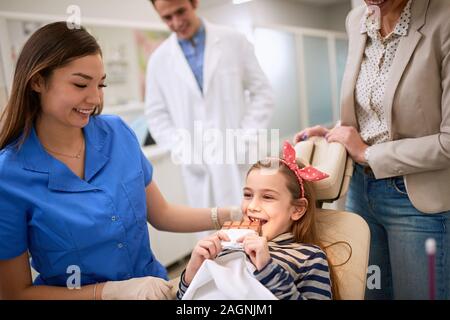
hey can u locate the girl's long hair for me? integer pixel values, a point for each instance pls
(50, 47)
(304, 229)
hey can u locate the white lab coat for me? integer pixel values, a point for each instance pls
(236, 95)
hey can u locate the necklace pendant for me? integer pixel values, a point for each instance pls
(78, 156)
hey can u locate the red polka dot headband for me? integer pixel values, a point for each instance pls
(308, 173)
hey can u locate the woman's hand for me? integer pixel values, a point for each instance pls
(207, 248)
(352, 141)
(146, 288)
(310, 132)
(257, 249)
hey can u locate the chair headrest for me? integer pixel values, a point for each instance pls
(330, 158)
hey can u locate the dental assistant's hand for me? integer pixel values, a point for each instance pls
(146, 288)
(257, 249)
(207, 248)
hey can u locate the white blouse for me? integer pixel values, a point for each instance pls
(374, 75)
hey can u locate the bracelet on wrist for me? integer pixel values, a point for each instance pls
(215, 218)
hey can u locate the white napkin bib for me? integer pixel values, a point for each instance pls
(228, 277)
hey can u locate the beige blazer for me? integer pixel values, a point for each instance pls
(417, 104)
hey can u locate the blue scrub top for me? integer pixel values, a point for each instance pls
(97, 224)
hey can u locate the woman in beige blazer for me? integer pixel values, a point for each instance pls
(395, 123)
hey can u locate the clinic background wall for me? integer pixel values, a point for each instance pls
(286, 12)
(137, 11)
(281, 12)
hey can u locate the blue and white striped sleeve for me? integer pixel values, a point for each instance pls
(313, 281)
(182, 287)
(278, 281)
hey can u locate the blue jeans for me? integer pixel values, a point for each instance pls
(398, 235)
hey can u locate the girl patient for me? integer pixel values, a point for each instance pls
(287, 255)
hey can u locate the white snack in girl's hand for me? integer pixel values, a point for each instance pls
(234, 235)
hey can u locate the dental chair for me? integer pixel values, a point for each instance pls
(336, 226)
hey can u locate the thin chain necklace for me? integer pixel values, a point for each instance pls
(77, 156)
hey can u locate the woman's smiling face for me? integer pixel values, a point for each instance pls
(72, 92)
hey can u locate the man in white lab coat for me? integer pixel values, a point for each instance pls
(204, 77)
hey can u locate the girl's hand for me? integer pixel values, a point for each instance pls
(207, 248)
(257, 249)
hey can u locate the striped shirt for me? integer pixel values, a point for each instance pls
(295, 271)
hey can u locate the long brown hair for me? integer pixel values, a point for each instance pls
(50, 47)
(303, 229)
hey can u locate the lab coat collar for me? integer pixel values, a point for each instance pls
(198, 37)
(181, 65)
(212, 55)
(211, 59)
(61, 178)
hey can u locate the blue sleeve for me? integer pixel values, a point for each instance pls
(147, 167)
(13, 224)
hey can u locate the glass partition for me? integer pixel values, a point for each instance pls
(276, 51)
(318, 80)
(341, 59)
(305, 68)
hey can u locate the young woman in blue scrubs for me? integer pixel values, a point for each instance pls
(75, 189)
